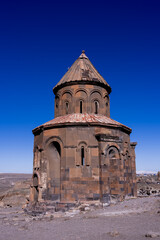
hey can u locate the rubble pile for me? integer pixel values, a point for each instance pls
(148, 185)
(48, 208)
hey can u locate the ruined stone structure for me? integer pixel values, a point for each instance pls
(82, 154)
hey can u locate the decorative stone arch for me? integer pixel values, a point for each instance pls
(106, 158)
(108, 146)
(83, 90)
(35, 194)
(106, 99)
(113, 152)
(96, 101)
(82, 143)
(54, 139)
(81, 105)
(53, 153)
(95, 91)
(106, 103)
(67, 91)
(82, 154)
(95, 106)
(67, 101)
(81, 97)
(57, 104)
(67, 106)
(115, 169)
(57, 99)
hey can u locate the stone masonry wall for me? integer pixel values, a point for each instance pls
(108, 168)
(67, 100)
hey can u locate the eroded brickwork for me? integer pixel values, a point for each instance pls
(82, 154)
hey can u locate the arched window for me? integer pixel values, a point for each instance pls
(35, 180)
(57, 101)
(35, 187)
(81, 106)
(82, 156)
(113, 153)
(106, 108)
(67, 107)
(96, 107)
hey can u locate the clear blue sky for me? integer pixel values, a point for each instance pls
(40, 40)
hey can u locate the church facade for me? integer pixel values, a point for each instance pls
(82, 154)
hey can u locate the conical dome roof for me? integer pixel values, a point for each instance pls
(82, 70)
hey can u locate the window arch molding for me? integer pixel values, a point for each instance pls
(81, 98)
(35, 187)
(66, 102)
(57, 100)
(106, 102)
(93, 106)
(109, 146)
(67, 91)
(95, 95)
(82, 154)
(113, 153)
(67, 106)
(96, 110)
(82, 90)
(53, 139)
(82, 143)
(81, 104)
(95, 92)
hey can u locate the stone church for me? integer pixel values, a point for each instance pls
(82, 154)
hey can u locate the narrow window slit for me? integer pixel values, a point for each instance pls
(82, 156)
(67, 107)
(96, 108)
(81, 107)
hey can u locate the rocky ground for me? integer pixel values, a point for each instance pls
(148, 185)
(131, 219)
(14, 189)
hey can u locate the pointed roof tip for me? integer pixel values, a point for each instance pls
(82, 70)
(83, 55)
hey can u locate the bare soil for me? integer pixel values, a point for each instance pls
(131, 219)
